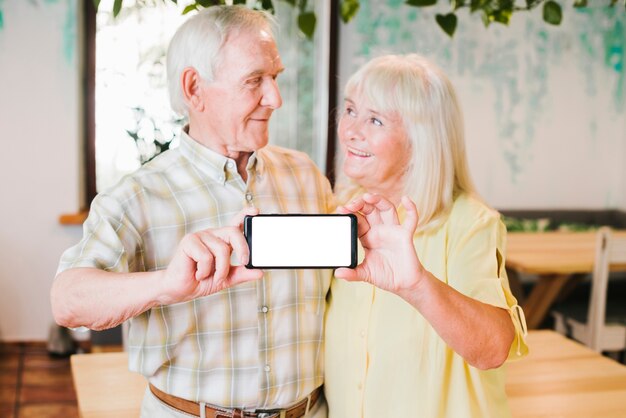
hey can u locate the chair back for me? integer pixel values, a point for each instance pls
(610, 249)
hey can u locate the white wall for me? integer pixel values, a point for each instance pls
(622, 205)
(575, 155)
(39, 162)
(545, 106)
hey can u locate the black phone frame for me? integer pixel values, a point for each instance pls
(247, 227)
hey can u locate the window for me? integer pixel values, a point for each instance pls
(132, 119)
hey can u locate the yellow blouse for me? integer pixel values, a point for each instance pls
(383, 359)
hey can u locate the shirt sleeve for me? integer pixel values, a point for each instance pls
(476, 268)
(110, 241)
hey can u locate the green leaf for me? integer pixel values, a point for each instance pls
(267, 5)
(349, 8)
(478, 5)
(96, 4)
(502, 16)
(486, 18)
(552, 13)
(457, 4)
(580, 3)
(117, 6)
(190, 8)
(613, 3)
(306, 23)
(447, 23)
(302, 5)
(292, 2)
(239, 1)
(207, 3)
(421, 3)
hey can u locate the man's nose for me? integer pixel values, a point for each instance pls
(271, 95)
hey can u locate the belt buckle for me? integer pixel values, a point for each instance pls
(269, 414)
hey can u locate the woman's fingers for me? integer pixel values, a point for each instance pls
(357, 274)
(361, 222)
(345, 273)
(364, 213)
(412, 218)
(354, 206)
(368, 210)
(386, 211)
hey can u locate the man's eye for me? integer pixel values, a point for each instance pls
(255, 80)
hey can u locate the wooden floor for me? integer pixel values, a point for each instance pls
(33, 384)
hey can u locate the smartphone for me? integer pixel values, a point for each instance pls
(301, 241)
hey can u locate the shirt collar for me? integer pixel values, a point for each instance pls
(214, 164)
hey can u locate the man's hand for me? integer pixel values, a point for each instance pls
(390, 260)
(201, 264)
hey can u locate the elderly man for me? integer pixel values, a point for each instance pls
(213, 339)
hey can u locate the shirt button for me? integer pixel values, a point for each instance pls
(362, 333)
(230, 164)
(248, 196)
(267, 368)
(359, 386)
(264, 309)
(221, 178)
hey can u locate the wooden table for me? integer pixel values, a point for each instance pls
(555, 257)
(559, 378)
(105, 387)
(562, 378)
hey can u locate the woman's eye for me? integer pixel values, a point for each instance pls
(350, 111)
(377, 122)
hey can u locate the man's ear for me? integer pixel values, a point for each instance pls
(191, 88)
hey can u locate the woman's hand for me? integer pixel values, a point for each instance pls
(391, 262)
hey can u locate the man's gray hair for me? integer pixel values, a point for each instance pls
(198, 43)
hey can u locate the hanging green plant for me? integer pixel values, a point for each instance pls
(490, 11)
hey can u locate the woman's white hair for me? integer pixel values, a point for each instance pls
(420, 93)
(198, 43)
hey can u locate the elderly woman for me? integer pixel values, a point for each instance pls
(423, 325)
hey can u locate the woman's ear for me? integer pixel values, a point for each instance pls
(192, 89)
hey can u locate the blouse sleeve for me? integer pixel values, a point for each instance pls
(476, 268)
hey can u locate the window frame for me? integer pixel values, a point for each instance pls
(89, 104)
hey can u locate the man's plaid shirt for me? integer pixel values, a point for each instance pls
(258, 344)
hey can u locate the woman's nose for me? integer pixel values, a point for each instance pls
(352, 129)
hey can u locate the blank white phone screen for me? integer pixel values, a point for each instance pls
(301, 241)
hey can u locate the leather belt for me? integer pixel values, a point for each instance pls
(296, 411)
